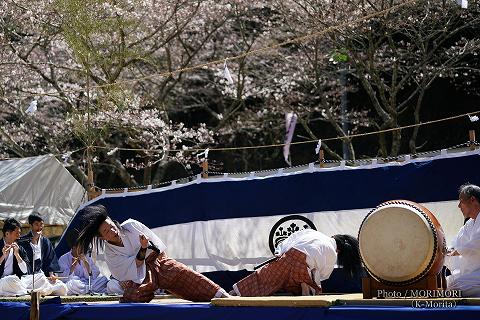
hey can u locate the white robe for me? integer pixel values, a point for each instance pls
(39, 282)
(77, 282)
(320, 249)
(121, 260)
(10, 284)
(465, 268)
(114, 287)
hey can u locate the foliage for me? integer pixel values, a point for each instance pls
(117, 75)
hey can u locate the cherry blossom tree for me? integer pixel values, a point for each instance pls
(137, 85)
(395, 56)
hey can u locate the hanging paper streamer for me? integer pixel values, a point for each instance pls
(319, 145)
(66, 157)
(473, 118)
(204, 153)
(226, 72)
(111, 152)
(291, 121)
(32, 108)
(463, 3)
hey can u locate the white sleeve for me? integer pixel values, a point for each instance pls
(64, 265)
(124, 267)
(469, 247)
(23, 266)
(141, 228)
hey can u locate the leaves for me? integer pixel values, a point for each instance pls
(121, 74)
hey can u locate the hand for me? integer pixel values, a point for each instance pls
(53, 278)
(5, 250)
(143, 241)
(85, 263)
(15, 248)
(83, 258)
(75, 261)
(453, 253)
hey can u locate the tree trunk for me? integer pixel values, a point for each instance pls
(413, 139)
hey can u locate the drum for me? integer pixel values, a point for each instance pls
(401, 242)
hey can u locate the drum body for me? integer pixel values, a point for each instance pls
(401, 242)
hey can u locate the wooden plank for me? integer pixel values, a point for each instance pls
(276, 301)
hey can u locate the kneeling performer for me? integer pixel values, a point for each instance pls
(136, 257)
(304, 259)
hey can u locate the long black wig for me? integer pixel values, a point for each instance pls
(349, 254)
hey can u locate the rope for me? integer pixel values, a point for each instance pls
(347, 137)
(293, 168)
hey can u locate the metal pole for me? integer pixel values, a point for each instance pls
(34, 296)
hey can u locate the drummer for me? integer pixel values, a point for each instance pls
(304, 259)
(464, 258)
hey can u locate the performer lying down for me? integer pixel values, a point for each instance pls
(304, 259)
(136, 257)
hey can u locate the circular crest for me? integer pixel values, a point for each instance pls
(285, 227)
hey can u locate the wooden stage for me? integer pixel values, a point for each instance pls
(329, 307)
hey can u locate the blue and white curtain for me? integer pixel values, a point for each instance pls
(227, 223)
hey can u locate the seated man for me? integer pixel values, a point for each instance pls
(44, 260)
(464, 259)
(81, 273)
(13, 260)
(304, 259)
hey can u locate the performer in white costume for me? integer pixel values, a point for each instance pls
(463, 259)
(136, 257)
(13, 260)
(304, 259)
(81, 274)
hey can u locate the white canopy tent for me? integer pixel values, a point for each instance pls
(38, 184)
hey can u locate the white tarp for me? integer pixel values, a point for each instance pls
(38, 184)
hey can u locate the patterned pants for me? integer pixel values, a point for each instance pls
(166, 273)
(287, 273)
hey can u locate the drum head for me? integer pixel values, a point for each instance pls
(396, 243)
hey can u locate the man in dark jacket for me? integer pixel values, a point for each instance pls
(39, 248)
(14, 262)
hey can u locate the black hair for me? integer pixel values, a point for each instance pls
(470, 190)
(35, 216)
(71, 237)
(348, 254)
(93, 217)
(10, 224)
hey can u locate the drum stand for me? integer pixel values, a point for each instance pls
(374, 289)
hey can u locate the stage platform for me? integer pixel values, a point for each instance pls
(330, 307)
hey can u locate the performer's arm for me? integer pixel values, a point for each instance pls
(5, 250)
(470, 247)
(152, 237)
(140, 258)
(73, 265)
(21, 264)
(86, 265)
